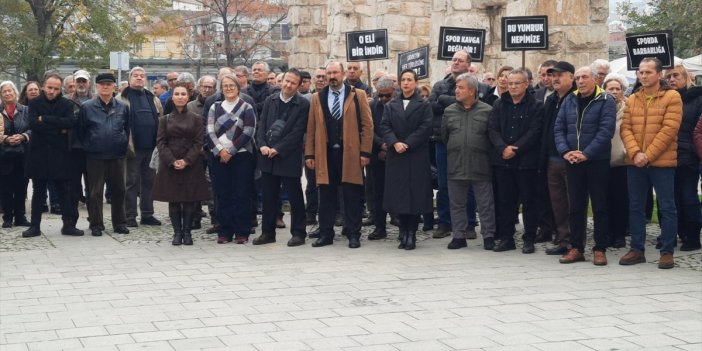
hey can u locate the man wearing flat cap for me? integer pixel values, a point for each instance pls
(551, 162)
(104, 130)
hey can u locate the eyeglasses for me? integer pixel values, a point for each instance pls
(229, 87)
(516, 84)
(385, 95)
(321, 76)
(491, 79)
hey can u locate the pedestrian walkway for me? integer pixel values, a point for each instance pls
(138, 292)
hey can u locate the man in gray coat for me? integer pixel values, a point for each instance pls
(464, 131)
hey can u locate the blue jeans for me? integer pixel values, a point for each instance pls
(442, 198)
(662, 180)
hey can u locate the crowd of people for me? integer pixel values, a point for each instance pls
(579, 140)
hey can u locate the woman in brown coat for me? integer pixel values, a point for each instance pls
(180, 179)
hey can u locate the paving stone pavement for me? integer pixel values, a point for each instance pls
(138, 292)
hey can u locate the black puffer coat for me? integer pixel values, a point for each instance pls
(692, 109)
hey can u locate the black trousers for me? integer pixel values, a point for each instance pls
(617, 204)
(69, 205)
(13, 191)
(588, 179)
(311, 192)
(543, 203)
(515, 186)
(271, 196)
(380, 216)
(115, 173)
(329, 197)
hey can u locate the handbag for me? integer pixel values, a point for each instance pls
(10, 152)
(155, 159)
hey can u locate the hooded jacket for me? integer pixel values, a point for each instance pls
(652, 127)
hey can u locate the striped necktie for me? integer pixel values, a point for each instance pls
(336, 109)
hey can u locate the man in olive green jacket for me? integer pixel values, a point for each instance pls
(464, 130)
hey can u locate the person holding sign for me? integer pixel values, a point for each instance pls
(406, 128)
(515, 130)
(337, 146)
(652, 117)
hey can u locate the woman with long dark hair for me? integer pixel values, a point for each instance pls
(180, 179)
(406, 128)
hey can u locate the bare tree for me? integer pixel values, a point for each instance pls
(237, 29)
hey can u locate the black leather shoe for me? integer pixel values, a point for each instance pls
(528, 247)
(264, 239)
(311, 219)
(150, 221)
(22, 222)
(121, 230)
(7, 224)
(314, 234)
(543, 237)
(411, 242)
(489, 244)
(132, 223)
(31, 232)
(557, 250)
(378, 234)
(504, 245)
(296, 241)
(457, 244)
(354, 241)
(72, 231)
(56, 209)
(95, 232)
(323, 241)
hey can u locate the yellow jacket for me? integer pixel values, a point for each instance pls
(652, 127)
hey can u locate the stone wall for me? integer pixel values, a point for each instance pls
(577, 29)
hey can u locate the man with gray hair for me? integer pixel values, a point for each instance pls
(600, 69)
(583, 136)
(69, 85)
(189, 81)
(259, 89)
(159, 87)
(385, 91)
(464, 131)
(82, 92)
(144, 111)
(515, 133)
(242, 75)
(442, 96)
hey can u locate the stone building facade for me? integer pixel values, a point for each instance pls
(577, 29)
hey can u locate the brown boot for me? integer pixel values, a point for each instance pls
(666, 261)
(599, 258)
(573, 255)
(632, 257)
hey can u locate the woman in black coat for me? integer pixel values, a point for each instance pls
(406, 128)
(13, 185)
(180, 179)
(687, 177)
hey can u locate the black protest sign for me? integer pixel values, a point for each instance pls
(416, 60)
(524, 33)
(651, 44)
(452, 39)
(367, 45)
